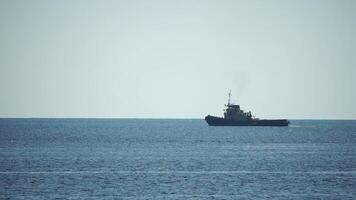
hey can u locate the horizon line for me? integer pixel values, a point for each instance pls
(165, 118)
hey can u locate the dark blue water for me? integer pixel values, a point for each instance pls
(175, 159)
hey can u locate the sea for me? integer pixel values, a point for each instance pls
(175, 159)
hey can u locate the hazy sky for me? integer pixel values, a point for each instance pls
(281, 59)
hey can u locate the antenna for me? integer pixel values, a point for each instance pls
(228, 102)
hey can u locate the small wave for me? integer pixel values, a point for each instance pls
(176, 172)
(200, 196)
(302, 126)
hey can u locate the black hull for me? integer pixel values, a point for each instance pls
(219, 121)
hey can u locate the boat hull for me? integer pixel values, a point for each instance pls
(219, 121)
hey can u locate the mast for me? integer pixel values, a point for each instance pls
(228, 102)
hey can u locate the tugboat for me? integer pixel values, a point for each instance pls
(234, 116)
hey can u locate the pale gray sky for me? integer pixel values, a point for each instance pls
(281, 59)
